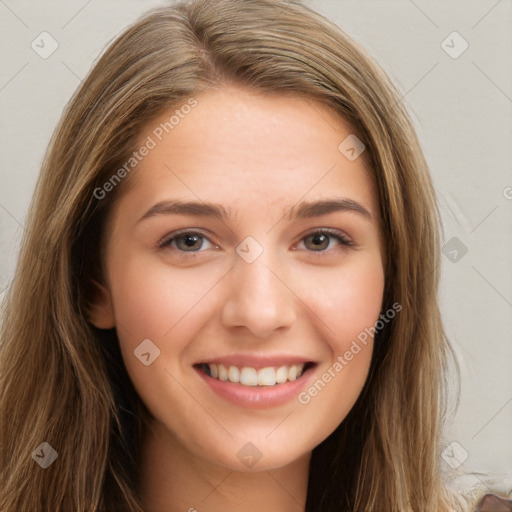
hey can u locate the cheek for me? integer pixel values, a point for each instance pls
(167, 306)
(348, 305)
(151, 299)
(346, 301)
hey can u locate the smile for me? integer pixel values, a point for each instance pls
(251, 377)
(256, 382)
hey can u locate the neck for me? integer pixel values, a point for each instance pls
(175, 480)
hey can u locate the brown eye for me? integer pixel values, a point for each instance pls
(188, 241)
(321, 240)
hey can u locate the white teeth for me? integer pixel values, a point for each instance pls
(223, 372)
(248, 376)
(234, 374)
(281, 374)
(266, 377)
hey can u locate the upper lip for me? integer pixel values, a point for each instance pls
(256, 361)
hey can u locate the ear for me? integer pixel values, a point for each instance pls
(100, 310)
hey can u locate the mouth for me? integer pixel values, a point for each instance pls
(248, 376)
(256, 382)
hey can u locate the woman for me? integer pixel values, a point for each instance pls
(257, 372)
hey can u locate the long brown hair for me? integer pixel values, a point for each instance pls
(62, 380)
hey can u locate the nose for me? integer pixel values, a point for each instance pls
(259, 298)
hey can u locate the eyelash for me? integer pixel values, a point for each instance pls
(345, 242)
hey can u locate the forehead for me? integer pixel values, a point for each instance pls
(245, 149)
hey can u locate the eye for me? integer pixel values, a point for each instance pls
(192, 241)
(321, 239)
(186, 241)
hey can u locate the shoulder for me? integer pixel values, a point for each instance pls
(493, 503)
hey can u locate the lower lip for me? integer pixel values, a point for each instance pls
(257, 397)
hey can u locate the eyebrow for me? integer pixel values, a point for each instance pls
(303, 210)
(310, 209)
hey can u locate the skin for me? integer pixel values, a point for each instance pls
(258, 155)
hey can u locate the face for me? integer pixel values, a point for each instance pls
(243, 270)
